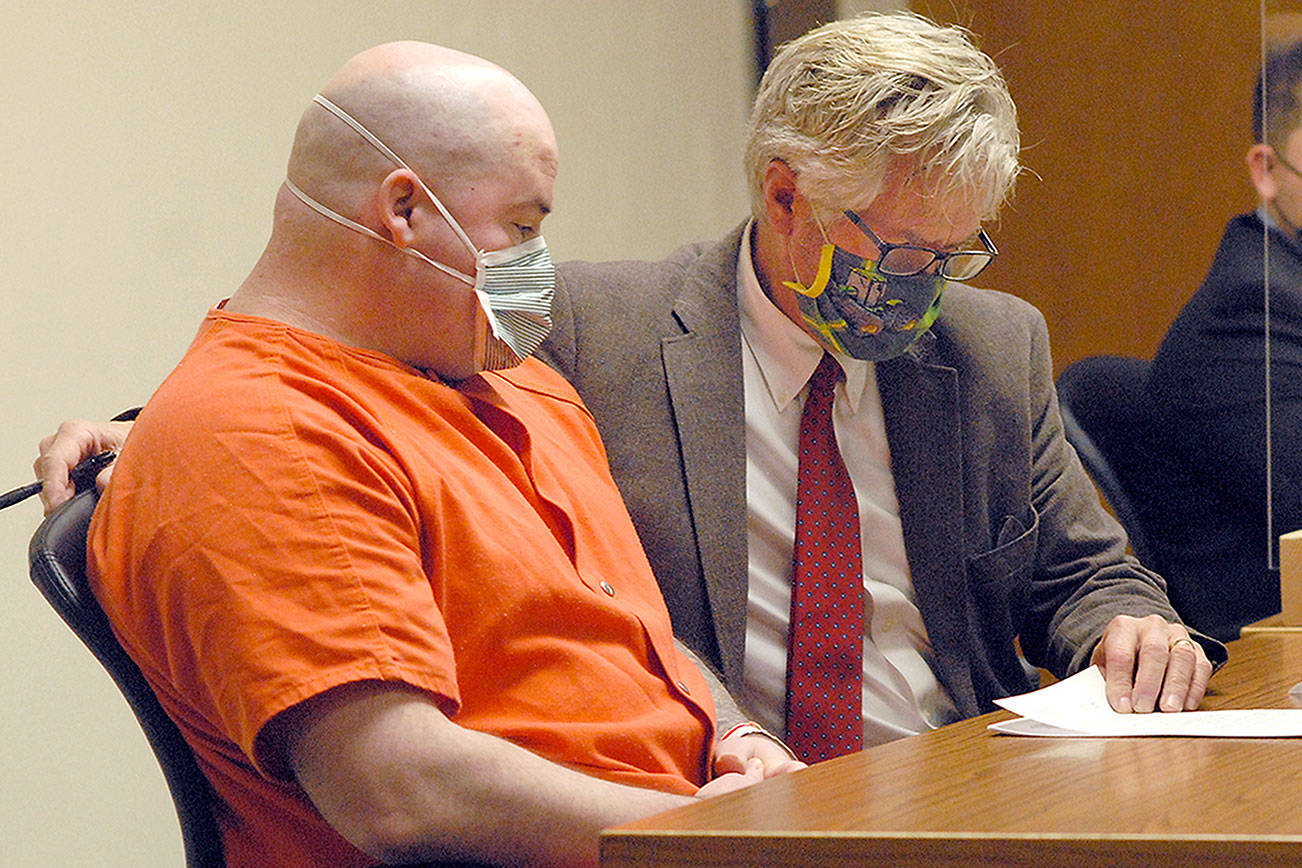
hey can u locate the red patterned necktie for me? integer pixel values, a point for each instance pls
(825, 639)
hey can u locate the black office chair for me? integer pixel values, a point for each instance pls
(57, 555)
(1178, 521)
(1104, 417)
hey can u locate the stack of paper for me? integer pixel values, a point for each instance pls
(1078, 707)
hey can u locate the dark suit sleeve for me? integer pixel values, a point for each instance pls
(1207, 393)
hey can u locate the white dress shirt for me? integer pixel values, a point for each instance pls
(901, 695)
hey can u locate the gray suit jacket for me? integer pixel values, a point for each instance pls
(1006, 540)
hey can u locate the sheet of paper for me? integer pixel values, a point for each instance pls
(1078, 706)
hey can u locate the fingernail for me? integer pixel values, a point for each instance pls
(1123, 705)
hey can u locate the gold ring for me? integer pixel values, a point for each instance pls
(1181, 640)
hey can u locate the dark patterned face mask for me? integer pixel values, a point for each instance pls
(857, 311)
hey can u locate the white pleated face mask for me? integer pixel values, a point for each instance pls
(514, 285)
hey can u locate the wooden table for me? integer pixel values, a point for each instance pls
(963, 797)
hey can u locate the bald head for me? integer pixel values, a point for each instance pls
(435, 153)
(451, 116)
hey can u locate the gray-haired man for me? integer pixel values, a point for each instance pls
(877, 148)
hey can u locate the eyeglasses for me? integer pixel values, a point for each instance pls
(903, 260)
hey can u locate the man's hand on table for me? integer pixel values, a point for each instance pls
(1151, 664)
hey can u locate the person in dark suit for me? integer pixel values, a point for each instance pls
(1207, 388)
(877, 148)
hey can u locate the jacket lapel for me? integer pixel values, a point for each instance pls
(703, 373)
(921, 405)
(702, 359)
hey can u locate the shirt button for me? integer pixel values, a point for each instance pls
(605, 586)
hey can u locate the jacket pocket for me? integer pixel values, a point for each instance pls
(1001, 579)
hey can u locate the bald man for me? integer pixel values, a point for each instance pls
(367, 552)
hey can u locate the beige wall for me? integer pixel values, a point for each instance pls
(142, 145)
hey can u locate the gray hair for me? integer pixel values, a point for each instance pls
(841, 102)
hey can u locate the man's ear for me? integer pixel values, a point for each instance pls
(1261, 159)
(780, 196)
(397, 195)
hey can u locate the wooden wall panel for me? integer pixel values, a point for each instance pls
(1135, 119)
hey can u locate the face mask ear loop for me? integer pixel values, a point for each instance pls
(384, 149)
(366, 230)
(332, 215)
(822, 230)
(791, 260)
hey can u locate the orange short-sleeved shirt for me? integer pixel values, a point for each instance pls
(292, 514)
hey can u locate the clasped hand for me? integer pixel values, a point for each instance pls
(743, 759)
